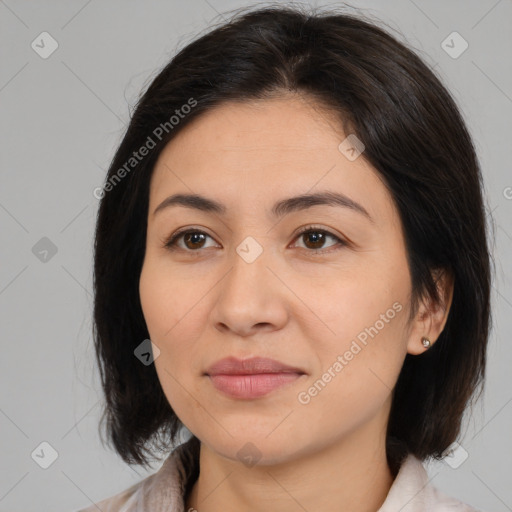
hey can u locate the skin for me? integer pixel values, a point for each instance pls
(203, 302)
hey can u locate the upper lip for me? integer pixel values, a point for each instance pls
(251, 366)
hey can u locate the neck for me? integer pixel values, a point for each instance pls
(350, 473)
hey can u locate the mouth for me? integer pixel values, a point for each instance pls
(251, 378)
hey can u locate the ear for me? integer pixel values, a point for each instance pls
(431, 317)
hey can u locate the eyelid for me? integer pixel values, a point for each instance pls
(170, 242)
(342, 242)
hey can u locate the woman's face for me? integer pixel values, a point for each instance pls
(331, 305)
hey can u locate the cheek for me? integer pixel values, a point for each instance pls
(171, 327)
(367, 301)
(355, 379)
(170, 311)
(167, 300)
(360, 356)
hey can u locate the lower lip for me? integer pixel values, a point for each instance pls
(251, 386)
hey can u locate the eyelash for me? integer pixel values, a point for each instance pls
(171, 245)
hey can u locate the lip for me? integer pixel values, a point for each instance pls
(251, 378)
(251, 366)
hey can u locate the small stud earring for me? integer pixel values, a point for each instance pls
(426, 342)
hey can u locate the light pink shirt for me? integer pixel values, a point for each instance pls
(164, 490)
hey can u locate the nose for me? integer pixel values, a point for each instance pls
(250, 298)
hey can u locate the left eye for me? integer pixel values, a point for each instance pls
(317, 238)
(194, 239)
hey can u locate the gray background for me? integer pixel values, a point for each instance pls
(60, 121)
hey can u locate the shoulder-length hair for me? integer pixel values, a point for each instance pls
(415, 138)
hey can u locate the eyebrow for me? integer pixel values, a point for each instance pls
(280, 209)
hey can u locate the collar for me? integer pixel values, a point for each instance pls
(164, 491)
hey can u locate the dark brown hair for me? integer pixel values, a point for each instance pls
(415, 138)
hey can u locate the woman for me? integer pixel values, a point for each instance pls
(291, 260)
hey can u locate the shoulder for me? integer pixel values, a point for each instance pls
(163, 490)
(412, 491)
(121, 502)
(444, 503)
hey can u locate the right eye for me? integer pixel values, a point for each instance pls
(192, 238)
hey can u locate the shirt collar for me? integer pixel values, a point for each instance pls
(411, 490)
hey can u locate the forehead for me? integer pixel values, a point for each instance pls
(286, 124)
(261, 151)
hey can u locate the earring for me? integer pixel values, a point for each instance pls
(426, 342)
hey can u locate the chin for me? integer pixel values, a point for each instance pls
(257, 448)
